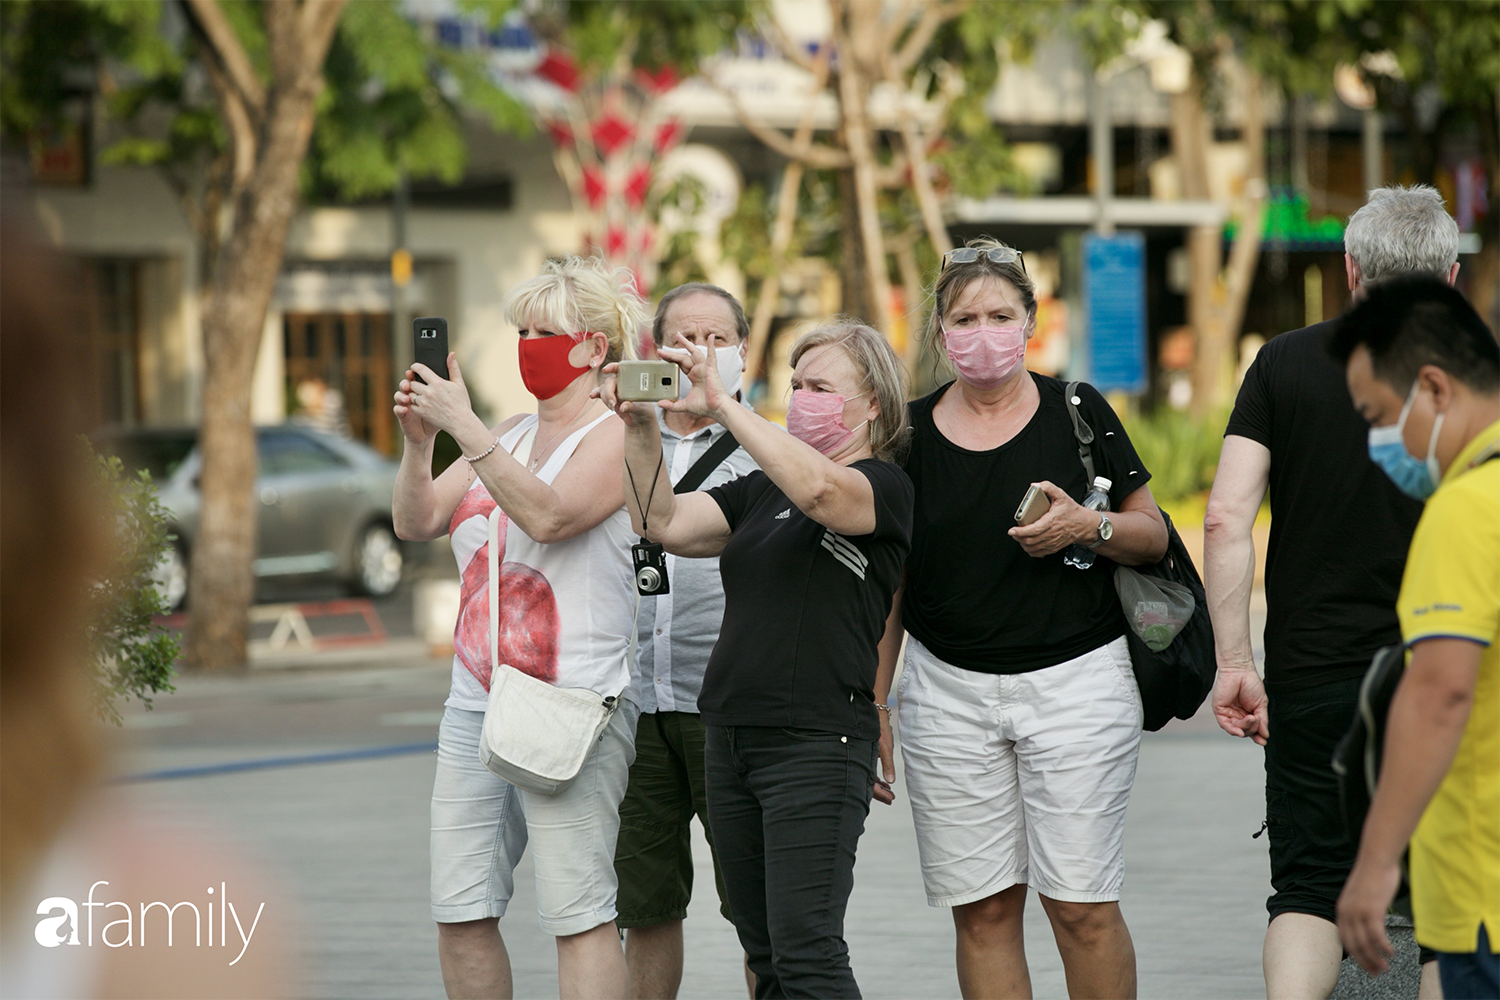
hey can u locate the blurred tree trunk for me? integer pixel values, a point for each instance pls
(1244, 255)
(904, 249)
(854, 275)
(1190, 142)
(769, 294)
(270, 125)
(857, 32)
(1217, 296)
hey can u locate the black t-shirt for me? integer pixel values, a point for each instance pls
(804, 608)
(1339, 527)
(973, 595)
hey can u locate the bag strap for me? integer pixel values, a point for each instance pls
(495, 590)
(707, 463)
(1081, 430)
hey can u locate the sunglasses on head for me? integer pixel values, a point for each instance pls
(996, 255)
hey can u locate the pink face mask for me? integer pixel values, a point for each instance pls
(817, 418)
(985, 356)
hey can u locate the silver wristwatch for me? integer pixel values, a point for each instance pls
(1106, 531)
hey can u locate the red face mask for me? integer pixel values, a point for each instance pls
(545, 368)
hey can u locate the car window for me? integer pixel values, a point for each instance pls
(282, 453)
(159, 454)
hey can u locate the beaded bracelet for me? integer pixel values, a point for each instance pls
(493, 445)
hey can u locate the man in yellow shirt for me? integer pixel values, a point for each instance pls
(1424, 370)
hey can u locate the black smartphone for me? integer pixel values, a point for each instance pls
(430, 344)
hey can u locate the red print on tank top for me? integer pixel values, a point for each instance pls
(529, 620)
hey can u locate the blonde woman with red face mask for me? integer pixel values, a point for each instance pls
(565, 604)
(1019, 713)
(810, 550)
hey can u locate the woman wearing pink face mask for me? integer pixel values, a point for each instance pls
(810, 549)
(1019, 712)
(566, 596)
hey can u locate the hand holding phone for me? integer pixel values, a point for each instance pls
(1033, 505)
(430, 344)
(647, 381)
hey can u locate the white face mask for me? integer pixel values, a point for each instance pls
(731, 370)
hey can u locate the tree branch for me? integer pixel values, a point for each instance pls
(892, 176)
(242, 130)
(320, 18)
(773, 34)
(934, 16)
(224, 48)
(897, 23)
(815, 155)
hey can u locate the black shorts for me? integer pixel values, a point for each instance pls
(1311, 853)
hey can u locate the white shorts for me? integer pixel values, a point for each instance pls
(481, 824)
(1020, 778)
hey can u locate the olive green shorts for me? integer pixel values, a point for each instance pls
(654, 855)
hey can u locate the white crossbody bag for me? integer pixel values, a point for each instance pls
(536, 736)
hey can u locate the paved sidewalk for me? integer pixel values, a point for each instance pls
(350, 838)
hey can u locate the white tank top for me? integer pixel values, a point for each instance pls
(565, 607)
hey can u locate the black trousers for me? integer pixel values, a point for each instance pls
(787, 807)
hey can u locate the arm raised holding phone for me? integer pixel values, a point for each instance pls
(820, 484)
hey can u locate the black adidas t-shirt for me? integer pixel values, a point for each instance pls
(804, 608)
(973, 595)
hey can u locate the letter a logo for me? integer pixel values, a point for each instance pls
(48, 932)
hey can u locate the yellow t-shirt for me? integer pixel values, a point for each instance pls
(1451, 589)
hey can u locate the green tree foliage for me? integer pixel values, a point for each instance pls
(130, 655)
(973, 155)
(395, 102)
(394, 99)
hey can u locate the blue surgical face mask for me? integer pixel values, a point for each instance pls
(1413, 476)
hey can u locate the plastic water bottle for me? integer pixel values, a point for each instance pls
(1098, 499)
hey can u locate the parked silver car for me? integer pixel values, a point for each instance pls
(324, 504)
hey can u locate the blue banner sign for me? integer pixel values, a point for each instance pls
(1114, 303)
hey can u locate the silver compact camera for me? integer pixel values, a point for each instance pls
(650, 569)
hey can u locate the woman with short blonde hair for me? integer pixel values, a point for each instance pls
(584, 294)
(811, 547)
(565, 604)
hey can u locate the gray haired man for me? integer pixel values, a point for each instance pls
(1339, 534)
(677, 632)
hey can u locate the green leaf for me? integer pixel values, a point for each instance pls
(138, 152)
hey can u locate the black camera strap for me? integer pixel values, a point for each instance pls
(646, 507)
(707, 463)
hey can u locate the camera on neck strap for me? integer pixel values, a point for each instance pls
(650, 561)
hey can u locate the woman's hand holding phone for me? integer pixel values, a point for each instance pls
(417, 431)
(1065, 521)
